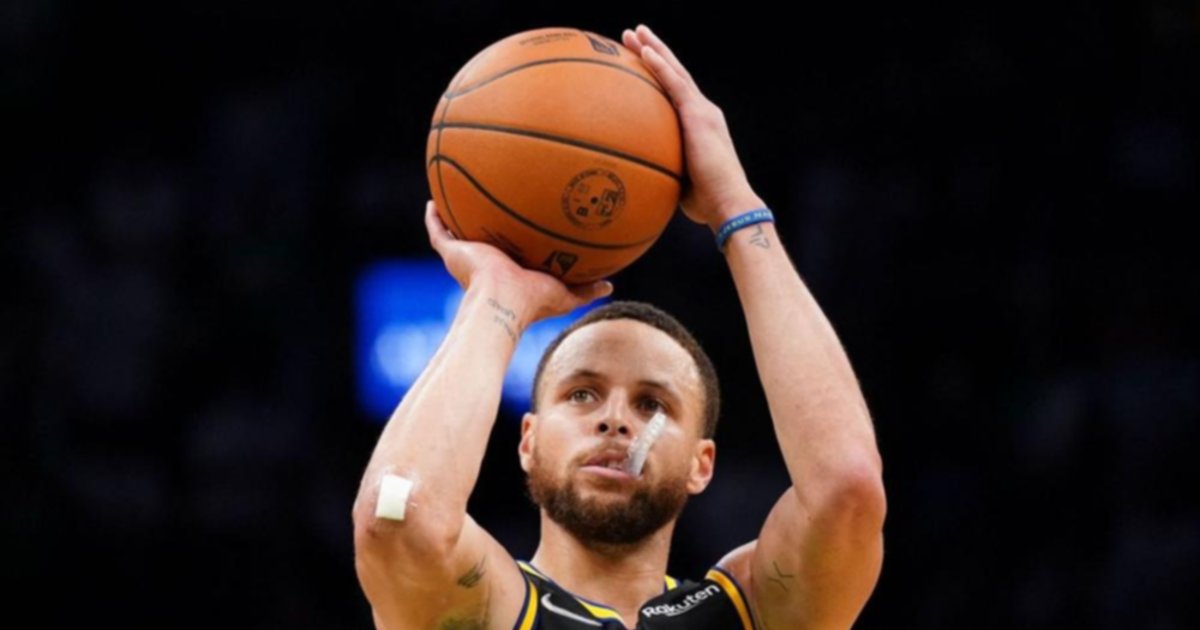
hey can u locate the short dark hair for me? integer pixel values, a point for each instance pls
(660, 319)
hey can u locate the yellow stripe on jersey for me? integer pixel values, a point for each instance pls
(529, 611)
(597, 610)
(671, 583)
(600, 612)
(529, 567)
(735, 595)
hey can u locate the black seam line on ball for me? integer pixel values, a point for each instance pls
(540, 62)
(438, 151)
(510, 212)
(559, 139)
(442, 183)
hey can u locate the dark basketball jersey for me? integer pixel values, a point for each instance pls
(715, 603)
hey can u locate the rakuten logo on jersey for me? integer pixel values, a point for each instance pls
(688, 603)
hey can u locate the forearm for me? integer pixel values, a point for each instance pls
(438, 434)
(820, 417)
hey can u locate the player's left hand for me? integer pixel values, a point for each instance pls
(718, 188)
(536, 295)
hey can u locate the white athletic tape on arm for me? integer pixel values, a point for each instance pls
(393, 497)
(640, 449)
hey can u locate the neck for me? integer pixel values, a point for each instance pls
(620, 576)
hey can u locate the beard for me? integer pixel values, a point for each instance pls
(606, 523)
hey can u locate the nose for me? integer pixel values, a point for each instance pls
(607, 427)
(615, 420)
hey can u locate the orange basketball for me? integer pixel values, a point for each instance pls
(560, 147)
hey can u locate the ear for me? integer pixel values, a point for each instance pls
(704, 459)
(525, 448)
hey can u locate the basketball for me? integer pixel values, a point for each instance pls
(560, 147)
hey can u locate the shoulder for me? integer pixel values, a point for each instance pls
(733, 588)
(734, 573)
(738, 563)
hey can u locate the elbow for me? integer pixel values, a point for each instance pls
(418, 537)
(858, 495)
(853, 495)
(862, 497)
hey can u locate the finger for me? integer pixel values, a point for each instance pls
(677, 87)
(438, 233)
(649, 38)
(631, 41)
(660, 67)
(586, 293)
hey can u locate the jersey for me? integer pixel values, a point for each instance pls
(715, 603)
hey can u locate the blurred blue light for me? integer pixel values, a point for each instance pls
(404, 308)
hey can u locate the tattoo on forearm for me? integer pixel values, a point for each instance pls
(505, 317)
(507, 312)
(472, 577)
(779, 579)
(507, 328)
(758, 239)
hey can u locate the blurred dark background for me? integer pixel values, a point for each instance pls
(991, 203)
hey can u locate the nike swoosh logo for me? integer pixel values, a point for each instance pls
(566, 613)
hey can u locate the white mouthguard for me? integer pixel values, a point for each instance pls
(640, 449)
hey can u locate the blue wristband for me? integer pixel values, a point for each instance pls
(745, 219)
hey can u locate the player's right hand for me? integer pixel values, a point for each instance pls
(539, 294)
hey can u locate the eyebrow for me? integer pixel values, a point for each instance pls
(584, 373)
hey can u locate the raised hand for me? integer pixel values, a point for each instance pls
(717, 188)
(540, 294)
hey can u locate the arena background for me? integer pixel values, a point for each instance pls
(990, 202)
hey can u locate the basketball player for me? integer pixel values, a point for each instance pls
(606, 532)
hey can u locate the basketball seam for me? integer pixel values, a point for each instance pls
(438, 146)
(555, 138)
(538, 62)
(512, 213)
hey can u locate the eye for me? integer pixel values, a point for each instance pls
(574, 395)
(655, 405)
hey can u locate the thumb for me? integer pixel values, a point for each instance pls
(438, 234)
(593, 291)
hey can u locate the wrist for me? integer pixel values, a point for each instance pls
(738, 205)
(755, 217)
(503, 298)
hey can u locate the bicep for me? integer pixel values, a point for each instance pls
(810, 570)
(477, 584)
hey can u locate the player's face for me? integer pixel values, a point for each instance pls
(602, 386)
